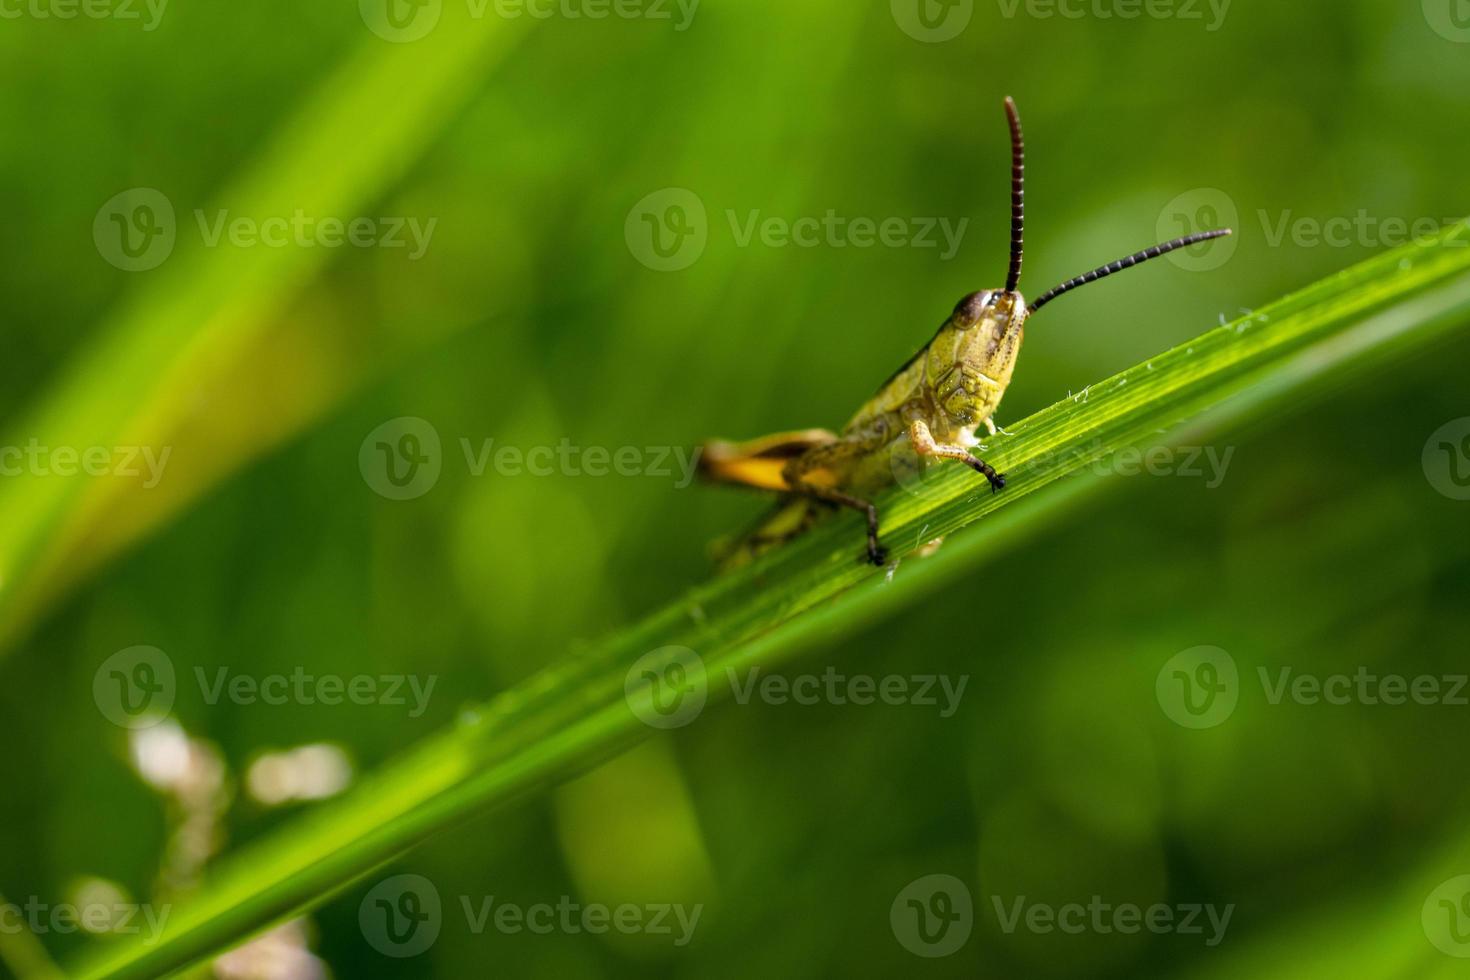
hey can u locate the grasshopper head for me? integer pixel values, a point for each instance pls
(971, 359)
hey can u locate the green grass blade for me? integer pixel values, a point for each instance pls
(1388, 931)
(189, 321)
(576, 713)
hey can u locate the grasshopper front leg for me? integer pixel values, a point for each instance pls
(925, 445)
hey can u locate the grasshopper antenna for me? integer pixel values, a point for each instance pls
(1018, 194)
(1118, 266)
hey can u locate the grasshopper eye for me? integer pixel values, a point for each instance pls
(968, 311)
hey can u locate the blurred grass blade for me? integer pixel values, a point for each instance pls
(1380, 932)
(149, 368)
(23, 953)
(576, 713)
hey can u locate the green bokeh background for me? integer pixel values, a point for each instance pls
(530, 319)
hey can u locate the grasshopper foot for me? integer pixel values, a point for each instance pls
(997, 480)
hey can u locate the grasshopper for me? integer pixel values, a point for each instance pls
(928, 410)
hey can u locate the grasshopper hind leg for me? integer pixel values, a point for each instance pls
(804, 465)
(823, 460)
(877, 554)
(789, 519)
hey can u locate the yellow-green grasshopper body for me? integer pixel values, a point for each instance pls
(930, 409)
